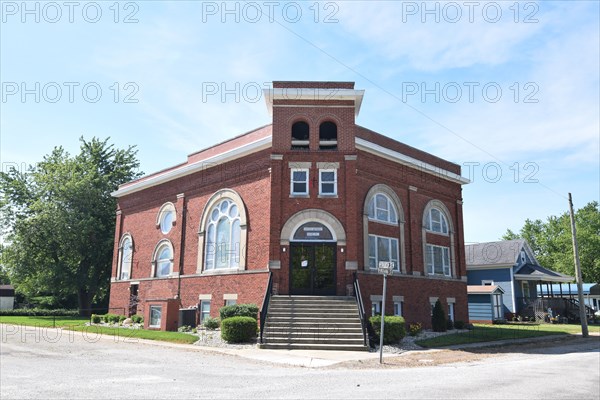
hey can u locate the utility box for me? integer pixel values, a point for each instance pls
(188, 316)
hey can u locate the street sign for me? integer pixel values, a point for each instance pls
(385, 267)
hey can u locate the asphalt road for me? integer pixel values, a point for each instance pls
(49, 364)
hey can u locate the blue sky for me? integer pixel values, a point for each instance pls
(509, 90)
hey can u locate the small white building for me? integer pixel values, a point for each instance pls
(7, 297)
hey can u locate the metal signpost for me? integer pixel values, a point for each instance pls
(385, 268)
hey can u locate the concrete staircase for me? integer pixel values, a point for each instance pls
(313, 323)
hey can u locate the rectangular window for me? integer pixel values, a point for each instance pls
(437, 260)
(299, 182)
(204, 310)
(328, 182)
(376, 308)
(398, 308)
(383, 248)
(451, 312)
(230, 302)
(155, 316)
(487, 283)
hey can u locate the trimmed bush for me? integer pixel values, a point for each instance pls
(137, 319)
(211, 324)
(394, 328)
(458, 324)
(122, 318)
(239, 310)
(96, 319)
(238, 329)
(449, 324)
(38, 312)
(111, 318)
(438, 320)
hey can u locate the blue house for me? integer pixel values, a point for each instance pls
(511, 266)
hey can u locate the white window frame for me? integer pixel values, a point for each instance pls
(229, 251)
(306, 181)
(159, 247)
(451, 311)
(321, 182)
(398, 308)
(430, 256)
(443, 222)
(375, 307)
(203, 317)
(150, 324)
(487, 282)
(393, 220)
(166, 209)
(122, 261)
(377, 258)
(230, 302)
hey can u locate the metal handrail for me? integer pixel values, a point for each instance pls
(361, 307)
(265, 305)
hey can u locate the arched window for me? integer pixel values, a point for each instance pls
(300, 135)
(381, 209)
(436, 221)
(163, 259)
(125, 257)
(383, 205)
(328, 136)
(223, 236)
(166, 218)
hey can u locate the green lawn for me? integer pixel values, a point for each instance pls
(57, 322)
(78, 324)
(489, 333)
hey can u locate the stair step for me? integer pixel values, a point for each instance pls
(313, 322)
(276, 339)
(293, 346)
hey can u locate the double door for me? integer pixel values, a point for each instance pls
(312, 268)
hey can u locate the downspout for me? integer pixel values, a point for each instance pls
(182, 247)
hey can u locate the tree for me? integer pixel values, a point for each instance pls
(552, 244)
(59, 220)
(438, 319)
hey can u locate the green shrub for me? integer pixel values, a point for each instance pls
(38, 312)
(458, 324)
(122, 318)
(239, 310)
(96, 319)
(111, 318)
(394, 328)
(449, 324)
(211, 324)
(137, 319)
(238, 329)
(415, 329)
(184, 328)
(438, 319)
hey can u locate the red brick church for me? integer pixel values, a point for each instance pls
(311, 203)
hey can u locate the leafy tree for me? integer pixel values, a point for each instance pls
(59, 222)
(552, 244)
(438, 319)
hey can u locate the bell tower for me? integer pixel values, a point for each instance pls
(313, 116)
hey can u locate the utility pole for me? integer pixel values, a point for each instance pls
(582, 313)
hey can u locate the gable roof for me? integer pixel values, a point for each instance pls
(529, 272)
(484, 289)
(500, 253)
